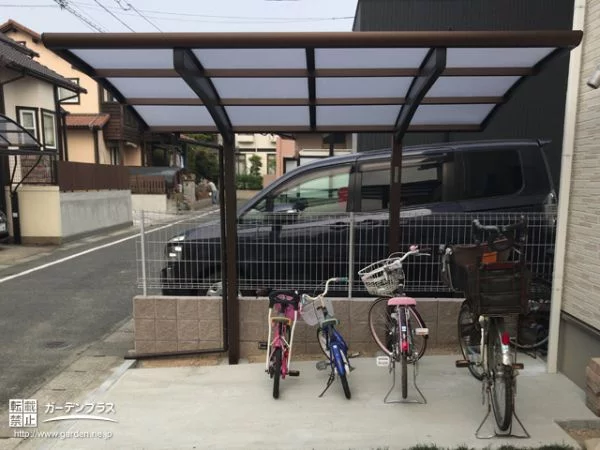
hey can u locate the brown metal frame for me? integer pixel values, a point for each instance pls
(268, 40)
(199, 79)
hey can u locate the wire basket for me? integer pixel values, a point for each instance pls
(312, 313)
(383, 277)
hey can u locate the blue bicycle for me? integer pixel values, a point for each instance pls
(319, 310)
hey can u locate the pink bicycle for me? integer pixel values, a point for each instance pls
(283, 314)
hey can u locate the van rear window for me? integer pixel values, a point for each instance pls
(491, 173)
(422, 183)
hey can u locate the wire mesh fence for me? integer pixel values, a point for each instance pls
(182, 254)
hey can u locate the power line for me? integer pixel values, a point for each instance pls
(63, 4)
(114, 15)
(262, 19)
(130, 6)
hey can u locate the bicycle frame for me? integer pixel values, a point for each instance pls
(336, 345)
(278, 339)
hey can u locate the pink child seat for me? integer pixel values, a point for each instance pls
(402, 301)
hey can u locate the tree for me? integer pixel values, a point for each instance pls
(205, 163)
(255, 165)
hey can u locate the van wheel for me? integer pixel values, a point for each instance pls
(216, 289)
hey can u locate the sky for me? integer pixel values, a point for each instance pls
(181, 15)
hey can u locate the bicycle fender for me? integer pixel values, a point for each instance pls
(338, 360)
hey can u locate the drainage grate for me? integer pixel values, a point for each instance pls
(56, 344)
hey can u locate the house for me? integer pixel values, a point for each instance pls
(99, 128)
(295, 150)
(577, 262)
(47, 199)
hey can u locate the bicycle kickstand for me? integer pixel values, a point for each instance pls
(503, 434)
(422, 400)
(329, 382)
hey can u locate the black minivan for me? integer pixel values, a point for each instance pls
(307, 225)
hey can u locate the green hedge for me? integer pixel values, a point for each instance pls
(250, 182)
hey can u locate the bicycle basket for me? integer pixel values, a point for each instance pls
(312, 312)
(382, 277)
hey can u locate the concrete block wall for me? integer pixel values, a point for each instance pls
(171, 324)
(168, 324)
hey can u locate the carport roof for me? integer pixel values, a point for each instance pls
(313, 82)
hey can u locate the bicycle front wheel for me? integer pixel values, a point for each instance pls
(384, 327)
(469, 338)
(502, 376)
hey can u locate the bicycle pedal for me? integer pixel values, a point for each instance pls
(322, 365)
(463, 363)
(421, 331)
(354, 355)
(519, 366)
(294, 373)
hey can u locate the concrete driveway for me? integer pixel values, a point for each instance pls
(232, 407)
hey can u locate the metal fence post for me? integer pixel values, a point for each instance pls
(143, 253)
(351, 256)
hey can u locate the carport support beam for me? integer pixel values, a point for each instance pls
(432, 67)
(229, 202)
(394, 238)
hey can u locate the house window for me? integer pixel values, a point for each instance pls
(107, 97)
(271, 164)
(49, 129)
(28, 120)
(241, 164)
(69, 97)
(115, 155)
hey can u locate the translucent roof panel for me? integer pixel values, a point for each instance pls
(364, 87)
(252, 58)
(369, 58)
(165, 116)
(153, 87)
(451, 114)
(314, 82)
(471, 86)
(368, 115)
(260, 116)
(495, 57)
(261, 87)
(126, 58)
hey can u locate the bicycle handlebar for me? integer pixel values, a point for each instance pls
(498, 233)
(306, 297)
(414, 250)
(290, 298)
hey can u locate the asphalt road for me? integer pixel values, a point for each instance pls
(50, 316)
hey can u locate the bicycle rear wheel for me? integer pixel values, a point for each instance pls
(469, 337)
(404, 359)
(502, 376)
(276, 371)
(383, 327)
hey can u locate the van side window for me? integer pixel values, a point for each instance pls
(490, 173)
(324, 191)
(422, 182)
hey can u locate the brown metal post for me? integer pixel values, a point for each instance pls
(395, 196)
(228, 202)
